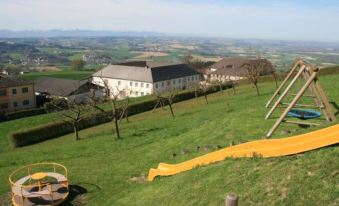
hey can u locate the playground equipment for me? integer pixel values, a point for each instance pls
(304, 113)
(262, 148)
(309, 72)
(39, 184)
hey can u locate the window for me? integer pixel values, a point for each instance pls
(147, 85)
(15, 104)
(24, 90)
(142, 94)
(162, 84)
(119, 82)
(131, 83)
(4, 106)
(25, 102)
(179, 81)
(141, 84)
(136, 93)
(3, 93)
(156, 85)
(173, 81)
(136, 84)
(13, 91)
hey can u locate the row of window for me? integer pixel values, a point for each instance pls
(15, 104)
(136, 84)
(174, 81)
(14, 91)
(139, 93)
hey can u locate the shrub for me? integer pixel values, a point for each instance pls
(57, 103)
(21, 114)
(53, 130)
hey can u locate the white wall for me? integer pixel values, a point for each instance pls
(125, 87)
(224, 78)
(136, 88)
(177, 84)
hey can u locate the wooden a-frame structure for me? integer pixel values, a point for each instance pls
(309, 72)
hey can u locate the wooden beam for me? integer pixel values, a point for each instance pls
(301, 123)
(283, 83)
(294, 101)
(285, 92)
(304, 105)
(328, 107)
(318, 100)
(311, 96)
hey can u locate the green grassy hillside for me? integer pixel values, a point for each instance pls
(113, 171)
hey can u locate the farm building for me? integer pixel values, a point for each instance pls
(16, 94)
(69, 89)
(142, 78)
(230, 68)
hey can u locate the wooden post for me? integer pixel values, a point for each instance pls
(311, 96)
(318, 100)
(294, 101)
(282, 84)
(328, 109)
(285, 92)
(231, 200)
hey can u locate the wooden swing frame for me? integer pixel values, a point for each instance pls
(301, 69)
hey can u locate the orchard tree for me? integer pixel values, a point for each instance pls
(256, 68)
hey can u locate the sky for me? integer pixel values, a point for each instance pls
(260, 19)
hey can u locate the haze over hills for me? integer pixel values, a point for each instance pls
(72, 33)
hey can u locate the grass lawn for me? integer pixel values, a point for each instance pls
(67, 74)
(107, 168)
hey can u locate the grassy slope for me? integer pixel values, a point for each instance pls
(305, 179)
(67, 74)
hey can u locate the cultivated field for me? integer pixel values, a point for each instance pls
(146, 55)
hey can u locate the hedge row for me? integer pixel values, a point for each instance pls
(53, 130)
(21, 114)
(57, 129)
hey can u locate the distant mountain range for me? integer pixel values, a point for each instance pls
(72, 33)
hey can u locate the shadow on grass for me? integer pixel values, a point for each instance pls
(78, 194)
(336, 107)
(143, 132)
(6, 199)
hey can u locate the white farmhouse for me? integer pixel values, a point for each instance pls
(142, 78)
(231, 68)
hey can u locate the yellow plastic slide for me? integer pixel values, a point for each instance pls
(263, 148)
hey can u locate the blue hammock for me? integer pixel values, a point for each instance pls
(304, 113)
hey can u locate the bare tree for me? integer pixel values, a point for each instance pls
(256, 68)
(170, 98)
(72, 111)
(111, 95)
(204, 88)
(164, 98)
(273, 72)
(160, 101)
(219, 83)
(124, 109)
(233, 86)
